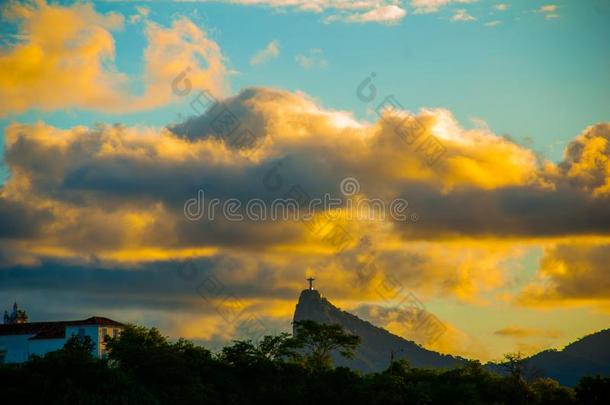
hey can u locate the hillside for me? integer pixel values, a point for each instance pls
(376, 344)
(589, 355)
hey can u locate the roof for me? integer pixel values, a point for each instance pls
(52, 330)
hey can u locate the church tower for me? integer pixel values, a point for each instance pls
(17, 316)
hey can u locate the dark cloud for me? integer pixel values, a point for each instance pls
(515, 331)
(119, 192)
(167, 285)
(19, 221)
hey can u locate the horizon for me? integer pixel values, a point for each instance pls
(188, 165)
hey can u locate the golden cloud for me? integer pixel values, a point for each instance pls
(118, 194)
(62, 57)
(574, 273)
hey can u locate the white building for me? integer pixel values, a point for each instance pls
(20, 339)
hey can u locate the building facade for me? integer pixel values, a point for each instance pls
(19, 339)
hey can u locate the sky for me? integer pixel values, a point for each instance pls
(107, 138)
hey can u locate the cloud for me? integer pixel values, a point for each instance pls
(493, 23)
(501, 6)
(365, 11)
(117, 193)
(141, 14)
(519, 332)
(271, 51)
(586, 162)
(432, 6)
(549, 8)
(73, 67)
(162, 294)
(313, 59)
(549, 11)
(179, 56)
(400, 322)
(389, 14)
(108, 174)
(574, 273)
(54, 68)
(462, 15)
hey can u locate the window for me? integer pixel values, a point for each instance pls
(104, 333)
(81, 333)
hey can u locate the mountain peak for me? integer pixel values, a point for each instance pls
(308, 294)
(587, 356)
(377, 344)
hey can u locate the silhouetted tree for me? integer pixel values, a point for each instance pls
(320, 340)
(269, 349)
(79, 345)
(593, 390)
(548, 391)
(145, 368)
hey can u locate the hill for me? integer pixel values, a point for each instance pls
(376, 345)
(589, 355)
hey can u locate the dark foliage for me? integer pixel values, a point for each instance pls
(144, 367)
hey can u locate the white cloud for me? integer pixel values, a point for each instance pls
(272, 50)
(314, 58)
(462, 15)
(142, 13)
(73, 67)
(390, 14)
(362, 11)
(493, 23)
(501, 6)
(432, 6)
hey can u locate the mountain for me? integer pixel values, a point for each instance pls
(374, 351)
(590, 355)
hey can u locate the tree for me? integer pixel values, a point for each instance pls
(320, 340)
(593, 390)
(277, 347)
(548, 391)
(170, 371)
(269, 349)
(144, 367)
(73, 375)
(514, 363)
(79, 344)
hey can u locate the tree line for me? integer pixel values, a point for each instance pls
(144, 367)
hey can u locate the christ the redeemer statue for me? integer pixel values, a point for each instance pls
(311, 279)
